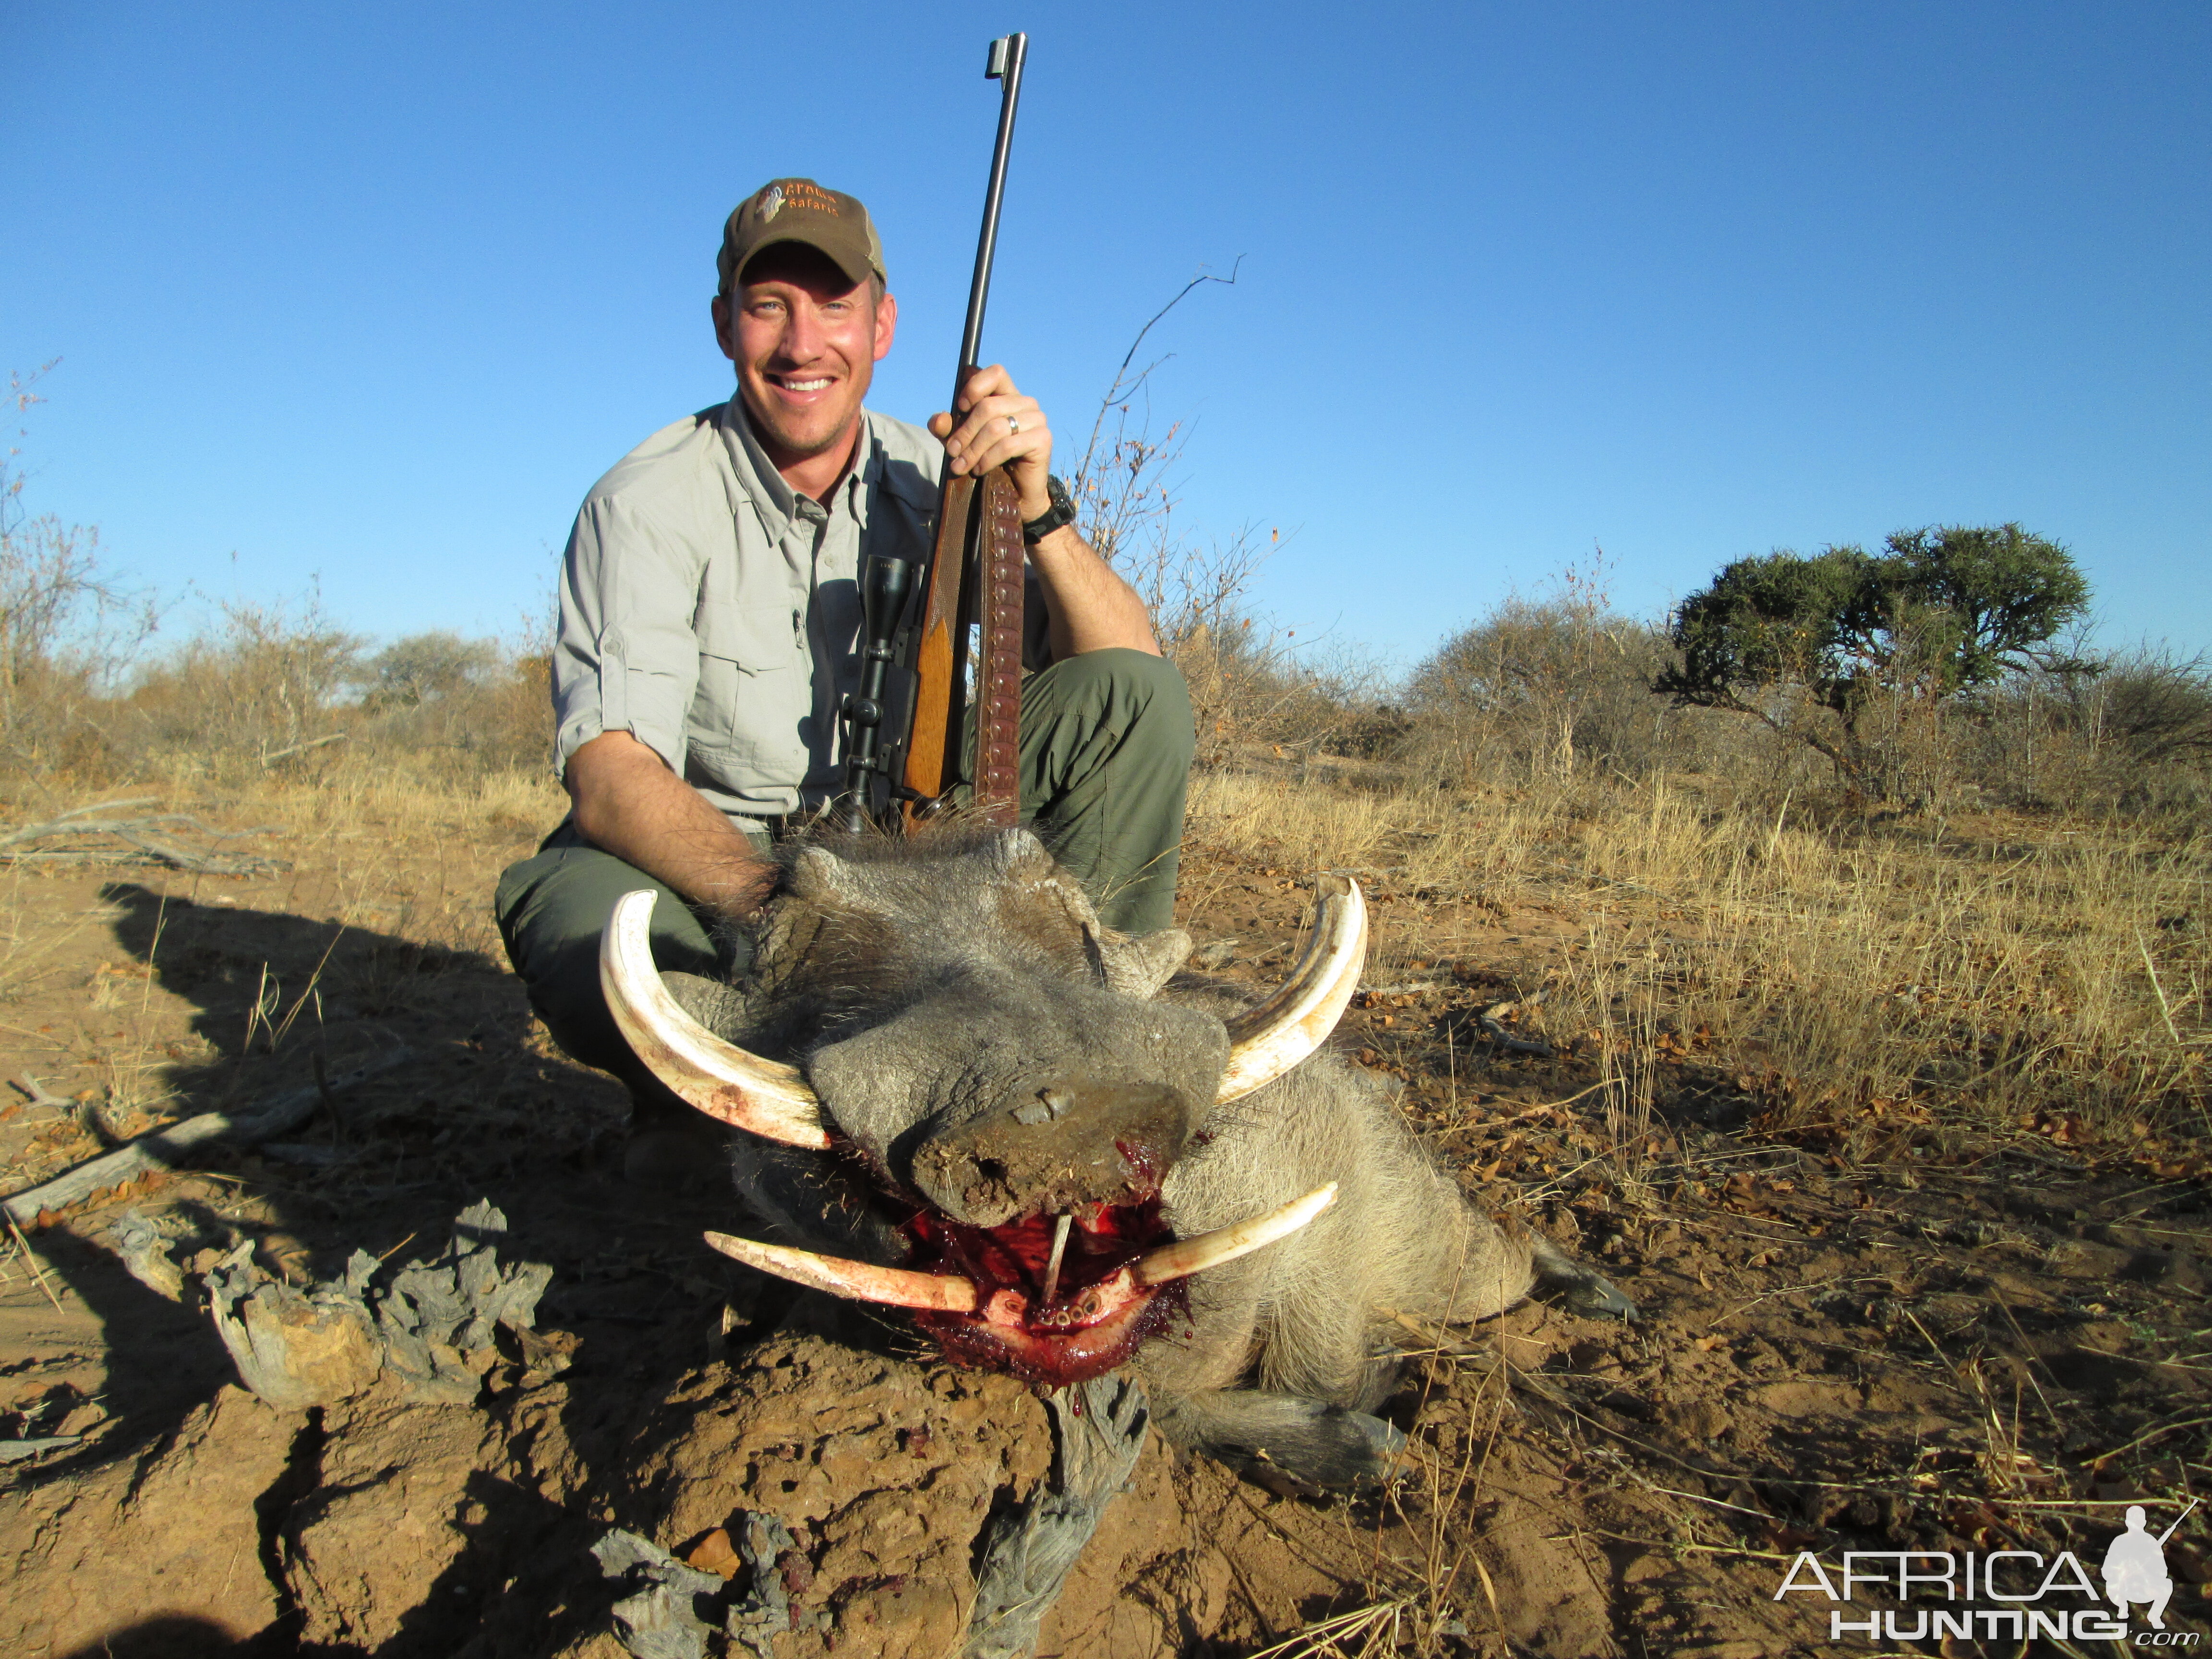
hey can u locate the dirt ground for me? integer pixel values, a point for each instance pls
(1959, 1345)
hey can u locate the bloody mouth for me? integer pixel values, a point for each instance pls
(1097, 1316)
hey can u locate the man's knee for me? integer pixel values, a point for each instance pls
(552, 909)
(1134, 689)
(1119, 671)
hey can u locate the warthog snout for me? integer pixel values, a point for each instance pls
(1067, 1143)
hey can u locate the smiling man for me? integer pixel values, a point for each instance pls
(710, 620)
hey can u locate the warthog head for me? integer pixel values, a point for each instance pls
(976, 1089)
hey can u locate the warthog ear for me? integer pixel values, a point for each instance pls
(1017, 849)
(818, 873)
(1139, 967)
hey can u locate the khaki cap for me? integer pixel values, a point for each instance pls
(800, 210)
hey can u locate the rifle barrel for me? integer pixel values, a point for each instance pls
(1005, 66)
(2176, 1527)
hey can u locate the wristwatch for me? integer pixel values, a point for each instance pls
(1061, 512)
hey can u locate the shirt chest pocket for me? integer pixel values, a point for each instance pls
(754, 690)
(754, 637)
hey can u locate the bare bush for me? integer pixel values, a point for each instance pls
(2131, 732)
(426, 669)
(65, 624)
(259, 688)
(460, 707)
(1552, 688)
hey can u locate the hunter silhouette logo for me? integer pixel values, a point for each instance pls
(2135, 1566)
(2034, 1596)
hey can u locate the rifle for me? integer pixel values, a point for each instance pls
(903, 728)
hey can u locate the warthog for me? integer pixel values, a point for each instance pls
(966, 1098)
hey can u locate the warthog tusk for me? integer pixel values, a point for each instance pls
(946, 1293)
(857, 1279)
(1189, 1255)
(1059, 1249)
(764, 1096)
(1266, 1042)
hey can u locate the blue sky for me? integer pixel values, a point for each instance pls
(372, 295)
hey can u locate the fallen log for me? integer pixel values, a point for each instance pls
(163, 1149)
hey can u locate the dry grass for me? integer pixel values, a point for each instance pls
(1986, 971)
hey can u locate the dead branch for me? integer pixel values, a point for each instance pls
(12, 1451)
(1489, 1018)
(163, 1149)
(68, 819)
(275, 755)
(37, 1093)
(139, 834)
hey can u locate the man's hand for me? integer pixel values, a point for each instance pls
(630, 804)
(1087, 607)
(998, 427)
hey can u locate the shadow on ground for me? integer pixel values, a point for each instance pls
(481, 1110)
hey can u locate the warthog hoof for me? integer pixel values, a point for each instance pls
(1596, 1295)
(1582, 1289)
(1285, 1443)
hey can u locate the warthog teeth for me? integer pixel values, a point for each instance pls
(856, 1279)
(1189, 1255)
(1266, 1042)
(763, 1097)
(1059, 1249)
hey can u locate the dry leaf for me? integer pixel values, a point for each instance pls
(714, 1553)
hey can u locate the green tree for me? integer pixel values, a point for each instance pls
(1834, 647)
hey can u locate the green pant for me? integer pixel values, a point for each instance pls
(1106, 743)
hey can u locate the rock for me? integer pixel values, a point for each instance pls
(414, 1519)
(1698, 1421)
(172, 1532)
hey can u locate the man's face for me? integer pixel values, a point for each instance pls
(805, 341)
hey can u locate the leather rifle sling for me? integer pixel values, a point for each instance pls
(999, 675)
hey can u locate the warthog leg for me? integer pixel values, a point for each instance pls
(1283, 1440)
(1098, 1431)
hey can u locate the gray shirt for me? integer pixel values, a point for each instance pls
(714, 614)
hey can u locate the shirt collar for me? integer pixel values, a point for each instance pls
(767, 485)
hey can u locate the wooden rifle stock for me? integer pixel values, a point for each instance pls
(932, 752)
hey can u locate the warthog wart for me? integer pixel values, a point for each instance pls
(964, 1096)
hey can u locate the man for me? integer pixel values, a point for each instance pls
(710, 616)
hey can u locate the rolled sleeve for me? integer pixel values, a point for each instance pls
(626, 659)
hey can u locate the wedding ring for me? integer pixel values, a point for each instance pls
(1013, 423)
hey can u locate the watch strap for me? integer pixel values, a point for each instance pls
(1061, 513)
